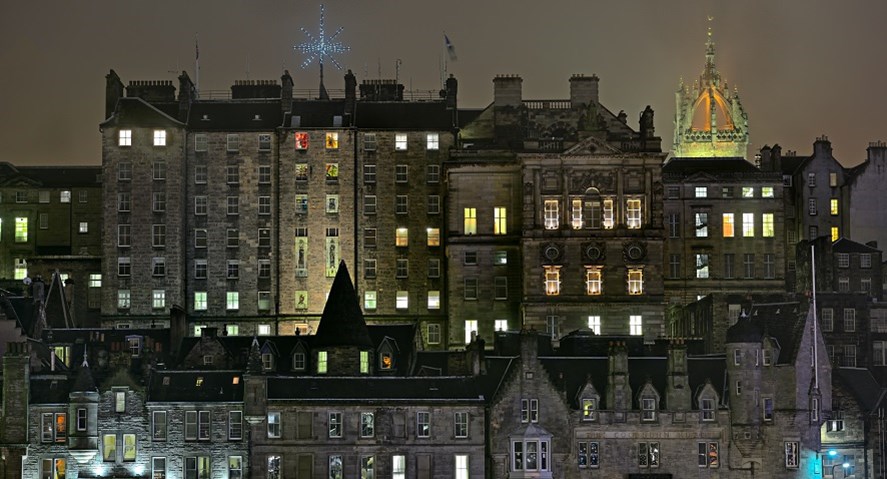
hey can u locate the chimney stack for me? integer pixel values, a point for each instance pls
(507, 91)
(583, 90)
(113, 92)
(286, 92)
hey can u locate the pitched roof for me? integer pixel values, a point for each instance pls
(60, 176)
(235, 115)
(709, 165)
(432, 389)
(342, 323)
(404, 115)
(844, 245)
(315, 114)
(137, 112)
(196, 386)
(862, 385)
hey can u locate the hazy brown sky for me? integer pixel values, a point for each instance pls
(803, 67)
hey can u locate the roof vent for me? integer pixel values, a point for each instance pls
(205, 117)
(257, 117)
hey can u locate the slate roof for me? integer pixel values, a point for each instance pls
(135, 111)
(342, 323)
(180, 386)
(83, 381)
(386, 389)
(316, 113)
(52, 176)
(238, 115)
(403, 115)
(745, 331)
(863, 386)
(50, 389)
(844, 245)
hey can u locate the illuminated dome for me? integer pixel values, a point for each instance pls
(709, 119)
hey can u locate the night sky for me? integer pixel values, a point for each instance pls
(803, 67)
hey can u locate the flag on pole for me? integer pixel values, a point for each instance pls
(451, 51)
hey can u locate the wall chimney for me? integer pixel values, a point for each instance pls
(583, 90)
(618, 388)
(286, 92)
(113, 92)
(822, 147)
(677, 391)
(187, 94)
(507, 91)
(350, 94)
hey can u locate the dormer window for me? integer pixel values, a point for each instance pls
(267, 361)
(707, 405)
(589, 407)
(386, 361)
(648, 409)
(299, 361)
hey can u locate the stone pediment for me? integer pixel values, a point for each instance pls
(592, 146)
(701, 177)
(19, 181)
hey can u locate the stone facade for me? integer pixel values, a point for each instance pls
(867, 220)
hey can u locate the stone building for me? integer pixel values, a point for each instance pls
(51, 220)
(866, 216)
(590, 194)
(724, 229)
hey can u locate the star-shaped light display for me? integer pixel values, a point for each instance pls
(320, 46)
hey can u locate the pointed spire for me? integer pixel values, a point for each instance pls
(254, 360)
(84, 382)
(342, 322)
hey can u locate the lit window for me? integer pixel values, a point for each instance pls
(300, 140)
(635, 281)
(576, 214)
(21, 229)
(402, 300)
(433, 236)
(748, 192)
(636, 325)
(748, 225)
(159, 137)
(332, 141)
(364, 362)
(232, 300)
(200, 301)
(432, 141)
(767, 225)
(109, 447)
(552, 280)
(369, 300)
(767, 192)
(401, 237)
(322, 362)
(500, 220)
(400, 141)
(701, 266)
(833, 206)
(123, 299)
(835, 233)
(470, 221)
(273, 425)
(728, 225)
(593, 282)
(124, 138)
(332, 172)
(65, 196)
(332, 204)
(300, 172)
(461, 466)
(633, 213)
(500, 257)
(609, 218)
(594, 324)
(470, 330)
(500, 325)
(434, 300)
(701, 192)
(701, 225)
(551, 214)
(707, 454)
(158, 299)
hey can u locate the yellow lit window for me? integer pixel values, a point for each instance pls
(321, 362)
(748, 225)
(332, 141)
(500, 220)
(129, 447)
(635, 281)
(552, 280)
(401, 237)
(633, 213)
(835, 233)
(728, 225)
(470, 221)
(833, 206)
(21, 229)
(767, 228)
(576, 214)
(551, 214)
(608, 214)
(767, 192)
(593, 283)
(109, 447)
(833, 180)
(364, 362)
(21, 268)
(433, 236)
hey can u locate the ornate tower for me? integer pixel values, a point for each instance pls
(709, 120)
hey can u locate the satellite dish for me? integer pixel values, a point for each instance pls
(27, 281)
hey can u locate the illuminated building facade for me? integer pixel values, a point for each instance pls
(709, 119)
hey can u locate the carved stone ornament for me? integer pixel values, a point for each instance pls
(634, 251)
(594, 252)
(551, 252)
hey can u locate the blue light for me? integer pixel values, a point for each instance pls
(832, 452)
(845, 465)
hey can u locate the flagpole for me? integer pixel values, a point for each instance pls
(815, 349)
(197, 66)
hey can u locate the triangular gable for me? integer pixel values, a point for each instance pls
(701, 177)
(137, 112)
(592, 146)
